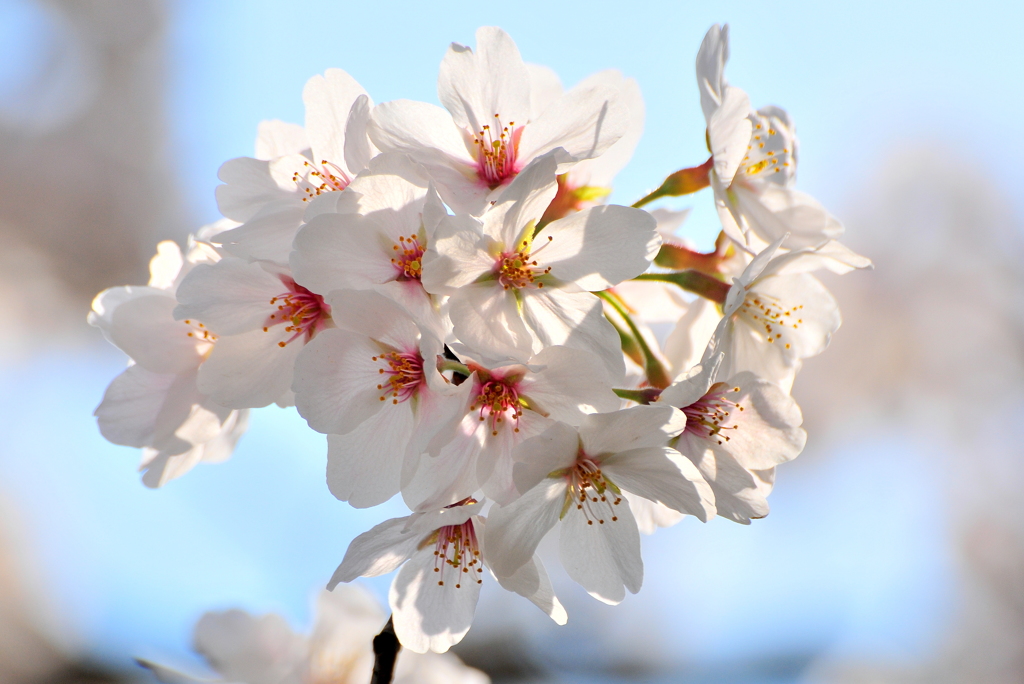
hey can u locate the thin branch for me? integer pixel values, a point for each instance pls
(385, 652)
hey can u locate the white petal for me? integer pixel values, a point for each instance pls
(376, 316)
(144, 328)
(475, 87)
(523, 202)
(364, 467)
(649, 515)
(229, 297)
(459, 254)
(711, 59)
(128, 413)
(571, 384)
(335, 251)
(358, 148)
(429, 616)
(601, 171)
(574, 319)
(599, 247)
(244, 648)
(250, 370)
(486, 317)
(602, 558)
(767, 432)
(585, 122)
(329, 99)
(165, 265)
(336, 380)
(378, 551)
(421, 130)
(636, 427)
(531, 581)
(729, 132)
(268, 235)
(514, 531)
(248, 186)
(662, 475)
(740, 494)
(774, 211)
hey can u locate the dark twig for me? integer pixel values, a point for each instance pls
(385, 652)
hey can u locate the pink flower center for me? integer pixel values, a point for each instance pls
(327, 177)
(498, 401)
(408, 260)
(496, 153)
(404, 373)
(457, 552)
(303, 313)
(705, 417)
(519, 269)
(591, 492)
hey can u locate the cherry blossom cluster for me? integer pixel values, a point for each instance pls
(445, 294)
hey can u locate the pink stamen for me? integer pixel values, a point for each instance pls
(456, 550)
(705, 416)
(330, 176)
(305, 313)
(496, 157)
(592, 493)
(405, 375)
(500, 399)
(409, 258)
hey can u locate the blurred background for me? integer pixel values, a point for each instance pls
(895, 547)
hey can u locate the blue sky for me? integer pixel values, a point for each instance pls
(847, 562)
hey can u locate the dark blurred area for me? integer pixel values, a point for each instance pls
(86, 187)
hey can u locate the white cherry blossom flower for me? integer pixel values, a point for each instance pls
(262, 319)
(510, 297)
(295, 167)
(373, 386)
(508, 404)
(755, 156)
(488, 136)
(156, 404)
(736, 432)
(380, 238)
(578, 478)
(773, 319)
(443, 554)
(248, 649)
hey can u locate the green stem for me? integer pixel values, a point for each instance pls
(657, 376)
(640, 396)
(444, 364)
(696, 282)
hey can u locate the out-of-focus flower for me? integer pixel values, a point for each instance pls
(156, 403)
(246, 649)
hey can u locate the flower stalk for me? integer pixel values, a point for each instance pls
(657, 375)
(693, 281)
(682, 182)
